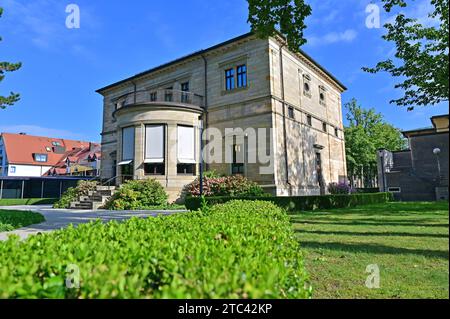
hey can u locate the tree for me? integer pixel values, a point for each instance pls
(267, 17)
(366, 133)
(8, 67)
(422, 61)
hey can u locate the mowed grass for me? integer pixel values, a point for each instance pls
(409, 242)
(13, 219)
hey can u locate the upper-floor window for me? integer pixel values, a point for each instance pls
(56, 143)
(229, 79)
(153, 96)
(291, 112)
(168, 95)
(309, 120)
(242, 76)
(336, 132)
(40, 157)
(307, 85)
(322, 95)
(184, 96)
(324, 126)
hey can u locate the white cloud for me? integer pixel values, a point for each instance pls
(41, 131)
(333, 37)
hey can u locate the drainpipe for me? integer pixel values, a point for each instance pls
(286, 159)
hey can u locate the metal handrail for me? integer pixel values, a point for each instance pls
(160, 95)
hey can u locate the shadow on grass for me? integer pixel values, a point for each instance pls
(384, 234)
(374, 249)
(369, 223)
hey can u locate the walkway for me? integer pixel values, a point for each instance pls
(60, 218)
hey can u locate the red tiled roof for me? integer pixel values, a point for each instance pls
(20, 149)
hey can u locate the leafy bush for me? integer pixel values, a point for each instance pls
(236, 250)
(27, 201)
(139, 194)
(73, 193)
(236, 185)
(212, 174)
(302, 203)
(12, 219)
(340, 188)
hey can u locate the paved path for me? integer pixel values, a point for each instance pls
(60, 218)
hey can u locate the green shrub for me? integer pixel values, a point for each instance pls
(236, 250)
(27, 201)
(139, 194)
(235, 185)
(73, 193)
(13, 219)
(302, 203)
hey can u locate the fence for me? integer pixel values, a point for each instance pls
(36, 187)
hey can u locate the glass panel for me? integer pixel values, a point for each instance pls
(186, 144)
(154, 142)
(128, 143)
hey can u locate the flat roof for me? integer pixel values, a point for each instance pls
(198, 53)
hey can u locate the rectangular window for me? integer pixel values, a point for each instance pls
(229, 79)
(322, 95)
(40, 158)
(309, 120)
(184, 96)
(237, 167)
(186, 145)
(186, 169)
(242, 76)
(324, 126)
(154, 168)
(153, 96)
(127, 143)
(154, 144)
(336, 132)
(168, 95)
(291, 112)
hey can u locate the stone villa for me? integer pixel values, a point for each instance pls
(152, 121)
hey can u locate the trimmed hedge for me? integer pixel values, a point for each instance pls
(235, 250)
(302, 203)
(13, 219)
(27, 201)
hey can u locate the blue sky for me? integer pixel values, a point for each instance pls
(63, 67)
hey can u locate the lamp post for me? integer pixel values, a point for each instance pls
(201, 154)
(437, 152)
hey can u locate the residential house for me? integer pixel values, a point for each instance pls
(152, 121)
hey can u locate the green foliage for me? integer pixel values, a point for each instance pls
(367, 132)
(26, 201)
(139, 194)
(236, 185)
(303, 203)
(12, 219)
(421, 55)
(269, 17)
(8, 67)
(237, 250)
(73, 193)
(212, 174)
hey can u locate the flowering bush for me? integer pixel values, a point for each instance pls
(225, 186)
(340, 188)
(140, 194)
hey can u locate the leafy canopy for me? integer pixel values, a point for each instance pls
(8, 67)
(421, 58)
(267, 17)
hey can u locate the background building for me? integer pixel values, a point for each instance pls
(23, 155)
(419, 173)
(151, 121)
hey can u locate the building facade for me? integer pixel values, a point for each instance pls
(247, 89)
(419, 173)
(23, 155)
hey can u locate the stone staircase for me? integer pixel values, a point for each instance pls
(95, 199)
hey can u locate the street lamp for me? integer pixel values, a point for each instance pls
(436, 152)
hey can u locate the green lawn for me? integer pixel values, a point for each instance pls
(408, 241)
(13, 219)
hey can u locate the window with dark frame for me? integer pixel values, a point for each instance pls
(336, 132)
(291, 112)
(40, 158)
(154, 168)
(168, 95)
(324, 126)
(184, 96)
(242, 76)
(309, 120)
(229, 79)
(153, 97)
(186, 169)
(237, 168)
